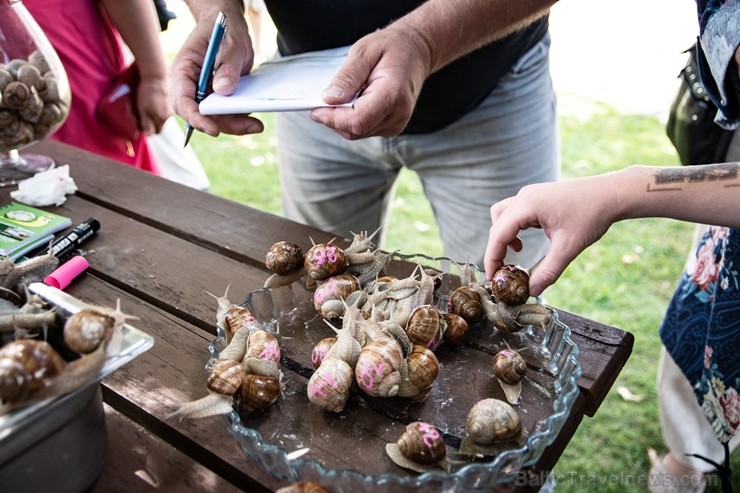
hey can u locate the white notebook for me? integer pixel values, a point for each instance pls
(292, 83)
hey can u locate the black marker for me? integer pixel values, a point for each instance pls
(64, 245)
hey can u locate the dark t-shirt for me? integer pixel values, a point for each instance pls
(447, 95)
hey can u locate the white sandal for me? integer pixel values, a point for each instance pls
(660, 480)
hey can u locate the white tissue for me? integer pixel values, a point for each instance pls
(46, 188)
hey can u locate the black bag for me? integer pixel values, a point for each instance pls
(691, 126)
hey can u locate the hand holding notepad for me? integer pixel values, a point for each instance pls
(293, 83)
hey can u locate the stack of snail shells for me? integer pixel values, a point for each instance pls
(32, 369)
(34, 100)
(247, 373)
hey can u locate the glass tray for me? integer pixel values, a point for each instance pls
(551, 355)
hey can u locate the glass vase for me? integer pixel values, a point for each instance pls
(34, 92)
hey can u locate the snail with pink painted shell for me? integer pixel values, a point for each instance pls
(420, 448)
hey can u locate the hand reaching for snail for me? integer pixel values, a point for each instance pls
(388, 68)
(574, 214)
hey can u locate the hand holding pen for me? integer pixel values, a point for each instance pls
(235, 58)
(206, 71)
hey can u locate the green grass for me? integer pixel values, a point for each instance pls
(624, 280)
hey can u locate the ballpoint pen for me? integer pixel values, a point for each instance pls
(206, 71)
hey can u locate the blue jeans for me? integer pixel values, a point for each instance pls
(510, 140)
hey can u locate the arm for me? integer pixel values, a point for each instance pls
(234, 59)
(391, 64)
(576, 213)
(136, 21)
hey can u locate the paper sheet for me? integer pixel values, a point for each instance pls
(293, 83)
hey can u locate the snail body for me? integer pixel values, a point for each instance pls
(492, 420)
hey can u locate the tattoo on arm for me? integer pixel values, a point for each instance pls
(673, 179)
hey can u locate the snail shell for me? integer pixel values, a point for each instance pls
(85, 330)
(320, 349)
(303, 487)
(465, 302)
(455, 329)
(510, 285)
(492, 420)
(329, 385)
(27, 365)
(509, 366)
(422, 443)
(258, 392)
(426, 326)
(15, 95)
(378, 368)
(263, 345)
(325, 260)
(422, 369)
(283, 257)
(38, 60)
(226, 377)
(328, 299)
(237, 317)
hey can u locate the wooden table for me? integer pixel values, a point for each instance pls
(160, 248)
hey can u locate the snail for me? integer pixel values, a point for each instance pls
(26, 366)
(225, 377)
(328, 299)
(455, 328)
(419, 373)
(325, 260)
(321, 349)
(420, 448)
(378, 368)
(283, 257)
(492, 420)
(329, 385)
(426, 326)
(303, 487)
(258, 392)
(510, 285)
(17, 277)
(466, 302)
(509, 368)
(85, 330)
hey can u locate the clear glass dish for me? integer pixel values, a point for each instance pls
(552, 359)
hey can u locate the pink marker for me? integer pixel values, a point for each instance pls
(66, 273)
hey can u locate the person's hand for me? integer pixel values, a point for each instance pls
(153, 102)
(573, 214)
(388, 68)
(235, 58)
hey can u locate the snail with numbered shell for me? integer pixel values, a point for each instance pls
(420, 448)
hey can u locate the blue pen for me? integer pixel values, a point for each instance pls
(206, 71)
